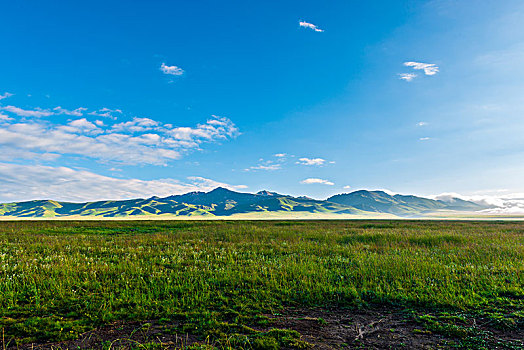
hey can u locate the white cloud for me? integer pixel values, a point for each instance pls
(311, 161)
(422, 124)
(5, 95)
(316, 181)
(27, 182)
(428, 68)
(106, 113)
(407, 76)
(424, 138)
(80, 125)
(4, 117)
(136, 125)
(27, 113)
(78, 112)
(310, 26)
(217, 128)
(8, 154)
(207, 184)
(500, 201)
(139, 141)
(171, 70)
(281, 159)
(347, 187)
(275, 163)
(264, 167)
(75, 112)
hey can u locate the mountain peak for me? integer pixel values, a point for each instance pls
(220, 190)
(367, 193)
(305, 197)
(266, 193)
(222, 201)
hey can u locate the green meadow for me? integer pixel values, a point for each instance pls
(221, 282)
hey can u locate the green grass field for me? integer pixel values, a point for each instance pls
(221, 282)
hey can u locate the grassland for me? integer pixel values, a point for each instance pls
(232, 284)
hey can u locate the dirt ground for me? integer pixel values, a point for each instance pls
(323, 329)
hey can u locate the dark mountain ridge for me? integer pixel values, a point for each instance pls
(225, 202)
(402, 205)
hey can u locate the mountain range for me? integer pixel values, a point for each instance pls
(222, 202)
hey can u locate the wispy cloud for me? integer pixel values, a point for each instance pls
(27, 182)
(78, 112)
(407, 76)
(311, 181)
(75, 112)
(264, 167)
(5, 95)
(276, 163)
(4, 117)
(310, 26)
(422, 124)
(171, 70)
(283, 159)
(347, 187)
(138, 141)
(428, 68)
(106, 113)
(27, 112)
(425, 138)
(312, 161)
(501, 201)
(136, 125)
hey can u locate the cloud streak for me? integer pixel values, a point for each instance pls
(5, 95)
(28, 182)
(276, 163)
(269, 167)
(76, 112)
(428, 68)
(36, 113)
(310, 26)
(407, 76)
(106, 113)
(283, 159)
(312, 181)
(4, 117)
(137, 141)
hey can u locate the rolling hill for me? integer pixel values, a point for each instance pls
(222, 202)
(402, 205)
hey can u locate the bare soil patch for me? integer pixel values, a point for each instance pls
(358, 329)
(322, 329)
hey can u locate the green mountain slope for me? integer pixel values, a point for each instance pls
(402, 205)
(223, 202)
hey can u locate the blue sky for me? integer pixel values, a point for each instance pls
(114, 99)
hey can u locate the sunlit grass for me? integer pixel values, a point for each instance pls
(58, 279)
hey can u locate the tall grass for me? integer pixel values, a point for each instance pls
(58, 279)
